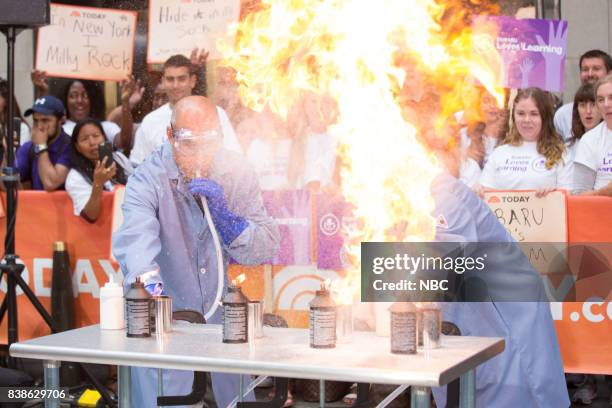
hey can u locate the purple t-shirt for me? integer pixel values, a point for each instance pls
(27, 162)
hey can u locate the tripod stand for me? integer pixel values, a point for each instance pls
(12, 269)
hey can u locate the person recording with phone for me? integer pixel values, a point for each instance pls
(95, 168)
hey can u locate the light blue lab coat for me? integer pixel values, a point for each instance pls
(164, 228)
(529, 373)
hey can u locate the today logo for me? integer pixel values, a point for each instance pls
(508, 199)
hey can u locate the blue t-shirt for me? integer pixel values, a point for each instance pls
(27, 162)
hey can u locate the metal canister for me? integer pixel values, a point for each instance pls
(235, 316)
(138, 310)
(161, 314)
(344, 323)
(255, 319)
(403, 328)
(431, 325)
(322, 320)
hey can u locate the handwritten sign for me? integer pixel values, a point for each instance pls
(87, 42)
(179, 26)
(539, 223)
(532, 51)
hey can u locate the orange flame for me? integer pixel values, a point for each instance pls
(395, 69)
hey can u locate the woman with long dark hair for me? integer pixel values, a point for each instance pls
(585, 115)
(90, 176)
(532, 156)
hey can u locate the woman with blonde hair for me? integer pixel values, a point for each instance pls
(532, 156)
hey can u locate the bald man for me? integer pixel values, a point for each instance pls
(165, 237)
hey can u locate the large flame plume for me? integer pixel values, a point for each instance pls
(395, 70)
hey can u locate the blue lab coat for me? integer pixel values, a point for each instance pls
(164, 228)
(529, 373)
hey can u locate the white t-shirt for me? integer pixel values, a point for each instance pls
(320, 158)
(489, 144)
(110, 129)
(151, 133)
(563, 121)
(523, 168)
(79, 189)
(470, 172)
(595, 151)
(25, 135)
(271, 160)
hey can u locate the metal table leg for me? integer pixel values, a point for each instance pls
(467, 393)
(322, 393)
(52, 380)
(124, 373)
(420, 397)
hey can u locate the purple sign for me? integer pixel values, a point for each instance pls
(332, 214)
(292, 211)
(532, 51)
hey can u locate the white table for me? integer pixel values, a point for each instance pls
(281, 353)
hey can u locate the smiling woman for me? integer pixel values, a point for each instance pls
(85, 99)
(532, 156)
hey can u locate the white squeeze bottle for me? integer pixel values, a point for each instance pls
(111, 306)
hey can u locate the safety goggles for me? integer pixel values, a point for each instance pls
(186, 138)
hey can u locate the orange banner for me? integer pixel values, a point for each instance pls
(583, 328)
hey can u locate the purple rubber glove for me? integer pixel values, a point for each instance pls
(228, 225)
(155, 289)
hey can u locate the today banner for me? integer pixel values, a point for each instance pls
(583, 328)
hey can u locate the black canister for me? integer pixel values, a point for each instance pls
(138, 310)
(403, 328)
(235, 316)
(322, 320)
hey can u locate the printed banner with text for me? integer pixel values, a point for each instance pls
(532, 51)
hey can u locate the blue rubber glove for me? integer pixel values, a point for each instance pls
(229, 225)
(155, 289)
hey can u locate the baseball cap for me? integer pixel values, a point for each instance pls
(47, 105)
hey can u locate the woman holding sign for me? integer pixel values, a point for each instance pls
(532, 156)
(594, 152)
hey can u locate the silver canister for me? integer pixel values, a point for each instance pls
(161, 314)
(256, 314)
(344, 323)
(431, 326)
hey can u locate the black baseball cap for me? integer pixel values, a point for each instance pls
(47, 105)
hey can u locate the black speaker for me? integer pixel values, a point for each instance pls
(20, 13)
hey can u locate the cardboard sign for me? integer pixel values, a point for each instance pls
(532, 51)
(179, 26)
(87, 43)
(531, 221)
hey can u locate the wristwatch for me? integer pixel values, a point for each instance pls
(39, 148)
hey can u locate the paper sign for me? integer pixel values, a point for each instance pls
(532, 51)
(87, 42)
(532, 220)
(179, 26)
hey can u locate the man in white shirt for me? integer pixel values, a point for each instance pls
(179, 80)
(594, 65)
